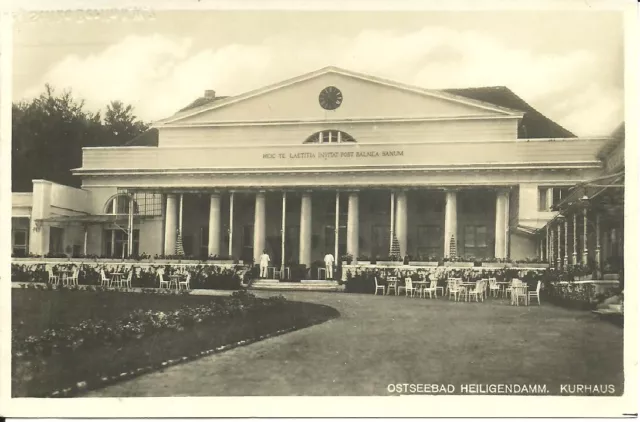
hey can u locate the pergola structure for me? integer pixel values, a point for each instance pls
(589, 226)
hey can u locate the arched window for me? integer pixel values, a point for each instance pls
(119, 204)
(329, 136)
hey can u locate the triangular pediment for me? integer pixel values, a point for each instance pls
(363, 97)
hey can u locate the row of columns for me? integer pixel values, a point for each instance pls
(551, 249)
(399, 223)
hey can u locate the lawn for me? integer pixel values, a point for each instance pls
(34, 311)
(379, 341)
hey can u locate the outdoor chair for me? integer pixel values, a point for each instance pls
(163, 283)
(53, 279)
(185, 283)
(494, 287)
(508, 290)
(432, 289)
(478, 291)
(409, 287)
(518, 291)
(378, 286)
(392, 283)
(72, 279)
(441, 288)
(455, 289)
(127, 281)
(104, 280)
(535, 293)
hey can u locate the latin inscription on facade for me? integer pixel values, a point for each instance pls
(330, 155)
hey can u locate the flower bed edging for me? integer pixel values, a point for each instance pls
(84, 386)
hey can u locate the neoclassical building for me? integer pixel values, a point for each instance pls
(329, 161)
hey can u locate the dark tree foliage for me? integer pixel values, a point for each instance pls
(49, 132)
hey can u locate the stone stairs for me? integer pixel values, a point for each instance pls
(308, 285)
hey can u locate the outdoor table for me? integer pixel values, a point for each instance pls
(64, 274)
(421, 284)
(467, 285)
(175, 278)
(116, 278)
(503, 286)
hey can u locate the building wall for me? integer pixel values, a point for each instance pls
(522, 246)
(375, 132)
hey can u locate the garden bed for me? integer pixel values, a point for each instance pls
(96, 336)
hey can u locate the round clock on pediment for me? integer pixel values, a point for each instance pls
(330, 98)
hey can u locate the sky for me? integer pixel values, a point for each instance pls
(568, 65)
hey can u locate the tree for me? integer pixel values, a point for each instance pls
(49, 132)
(120, 124)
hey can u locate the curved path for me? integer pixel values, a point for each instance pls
(382, 340)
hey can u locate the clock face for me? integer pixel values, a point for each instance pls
(330, 98)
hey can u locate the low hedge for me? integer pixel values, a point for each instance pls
(203, 276)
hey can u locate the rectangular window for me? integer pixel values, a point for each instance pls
(550, 196)
(475, 237)
(430, 241)
(204, 242)
(543, 204)
(56, 235)
(20, 242)
(380, 240)
(116, 244)
(559, 194)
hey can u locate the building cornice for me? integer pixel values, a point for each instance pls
(353, 120)
(351, 169)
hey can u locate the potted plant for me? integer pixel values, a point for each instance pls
(347, 259)
(458, 261)
(424, 261)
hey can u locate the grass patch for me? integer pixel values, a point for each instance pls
(37, 310)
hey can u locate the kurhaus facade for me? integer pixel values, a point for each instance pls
(331, 161)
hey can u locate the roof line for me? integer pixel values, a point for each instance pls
(333, 69)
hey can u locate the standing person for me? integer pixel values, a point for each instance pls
(328, 264)
(264, 264)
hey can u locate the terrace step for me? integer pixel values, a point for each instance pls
(309, 285)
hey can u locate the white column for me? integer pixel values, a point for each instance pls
(502, 221)
(548, 249)
(392, 223)
(353, 225)
(337, 227)
(559, 261)
(231, 223)
(213, 248)
(585, 248)
(305, 229)
(130, 227)
(86, 238)
(575, 239)
(541, 250)
(450, 221)
(259, 226)
(41, 208)
(552, 243)
(401, 222)
(566, 242)
(598, 255)
(170, 225)
(180, 213)
(283, 233)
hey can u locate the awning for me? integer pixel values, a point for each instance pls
(591, 189)
(528, 229)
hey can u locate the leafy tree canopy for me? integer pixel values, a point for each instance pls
(49, 132)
